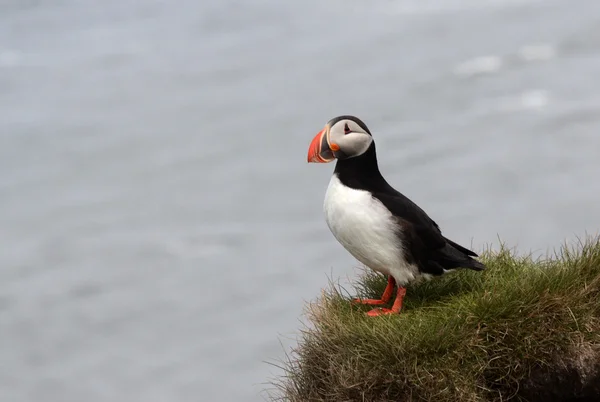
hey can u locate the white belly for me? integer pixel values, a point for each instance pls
(365, 227)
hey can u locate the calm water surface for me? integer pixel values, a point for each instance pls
(160, 227)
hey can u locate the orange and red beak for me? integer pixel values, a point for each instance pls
(319, 150)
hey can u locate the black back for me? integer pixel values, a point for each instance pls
(420, 236)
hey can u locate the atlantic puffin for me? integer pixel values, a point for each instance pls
(378, 225)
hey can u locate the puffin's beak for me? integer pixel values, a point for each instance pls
(319, 150)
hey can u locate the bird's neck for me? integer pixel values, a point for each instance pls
(361, 172)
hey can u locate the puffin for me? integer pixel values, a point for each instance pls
(375, 223)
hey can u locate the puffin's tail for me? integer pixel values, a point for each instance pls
(473, 264)
(457, 256)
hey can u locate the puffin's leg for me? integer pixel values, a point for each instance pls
(395, 308)
(385, 297)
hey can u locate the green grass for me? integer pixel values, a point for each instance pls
(523, 329)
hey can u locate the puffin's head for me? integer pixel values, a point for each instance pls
(342, 137)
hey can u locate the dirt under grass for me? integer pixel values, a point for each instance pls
(521, 330)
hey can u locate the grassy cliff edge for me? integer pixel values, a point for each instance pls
(522, 330)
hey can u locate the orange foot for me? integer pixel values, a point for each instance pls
(385, 297)
(371, 302)
(395, 308)
(379, 311)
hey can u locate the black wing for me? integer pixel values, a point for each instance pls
(422, 238)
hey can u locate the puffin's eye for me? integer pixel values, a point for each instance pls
(346, 128)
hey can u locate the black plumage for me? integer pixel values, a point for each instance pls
(419, 235)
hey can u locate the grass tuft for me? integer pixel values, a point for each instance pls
(524, 329)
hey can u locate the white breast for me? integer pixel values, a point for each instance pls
(365, 227)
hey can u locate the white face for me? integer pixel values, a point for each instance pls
(350, 137)
(342, 137)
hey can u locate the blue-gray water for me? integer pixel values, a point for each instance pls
(160, 227)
